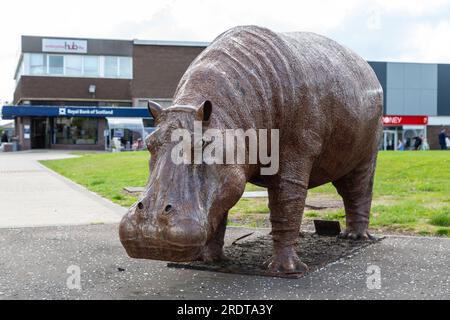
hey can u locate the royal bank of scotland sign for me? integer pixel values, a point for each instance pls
(10, 112)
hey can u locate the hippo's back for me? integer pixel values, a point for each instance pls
(303, 84)
(341, 101)
(331, 70)
(254, 73)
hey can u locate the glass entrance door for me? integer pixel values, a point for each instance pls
(410, 137)
(38, 133)
(390, 139)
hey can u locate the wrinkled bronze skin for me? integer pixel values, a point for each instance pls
(325, 100)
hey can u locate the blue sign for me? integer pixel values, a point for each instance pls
(118, 133)
(10, 112)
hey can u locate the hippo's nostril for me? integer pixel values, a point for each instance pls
(140, 206)
(168, 208)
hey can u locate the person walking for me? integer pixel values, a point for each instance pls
(418, 142)
(400, 145)
(447, 142)
(4, 137)
(425, 145)
(442, 138)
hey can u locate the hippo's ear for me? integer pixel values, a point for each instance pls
(204, 111)
(154, 109)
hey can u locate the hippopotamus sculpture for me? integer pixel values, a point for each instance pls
(327, 104)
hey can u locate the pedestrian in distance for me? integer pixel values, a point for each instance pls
(400, 146)
(442, 139)
(418, 142)
(4, 137)
(425, 145)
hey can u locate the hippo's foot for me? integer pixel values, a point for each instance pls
(286, 260)
(356, 235)
(212, 254)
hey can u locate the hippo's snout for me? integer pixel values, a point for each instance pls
(166, 235)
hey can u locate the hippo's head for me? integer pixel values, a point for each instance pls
(183, 205)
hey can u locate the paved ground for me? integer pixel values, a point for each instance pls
(34, 260)
(31, 195)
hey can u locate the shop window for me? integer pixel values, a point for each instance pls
(55, 64)
(111, 67)
(37, 64)
(114, 104)
(77, 66)
(91, 66)
(79, 131)
(142, 103)
(74, 65)
(20, 71)
(148, 122)
(126, 66)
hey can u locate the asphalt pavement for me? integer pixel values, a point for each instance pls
(38, 263)
(52, 230)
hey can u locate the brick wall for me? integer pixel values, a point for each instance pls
(64, 88)
(433, 136)
(158, 69)
(19, 123)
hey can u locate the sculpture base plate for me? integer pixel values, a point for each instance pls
(248, 256)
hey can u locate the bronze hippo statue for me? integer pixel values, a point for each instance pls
(326, 103)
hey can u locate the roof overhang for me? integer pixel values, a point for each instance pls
(170, 43)
(133, 124)
(10, 112)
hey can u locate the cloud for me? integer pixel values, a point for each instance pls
(413, 8)
(413, 30)
(374, 19)
(204, 20)
(428, 42)
(157, 19)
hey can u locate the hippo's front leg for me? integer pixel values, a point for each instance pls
(213, 250)
(286, 203)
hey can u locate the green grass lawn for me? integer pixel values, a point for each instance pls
(106, 173)
(411, 193)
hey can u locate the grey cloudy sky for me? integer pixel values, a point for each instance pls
(393, 30)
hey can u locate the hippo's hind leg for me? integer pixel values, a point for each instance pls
(286, 203)
(355, 189)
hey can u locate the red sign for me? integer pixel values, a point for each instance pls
(389, 120)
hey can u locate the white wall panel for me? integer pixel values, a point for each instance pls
(411, 89)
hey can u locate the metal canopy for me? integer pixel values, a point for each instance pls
(133, 124)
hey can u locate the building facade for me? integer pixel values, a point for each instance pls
(416, 101)
(75, 93)
(63, 83)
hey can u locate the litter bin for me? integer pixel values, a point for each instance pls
(16, 145)
(7, 147)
